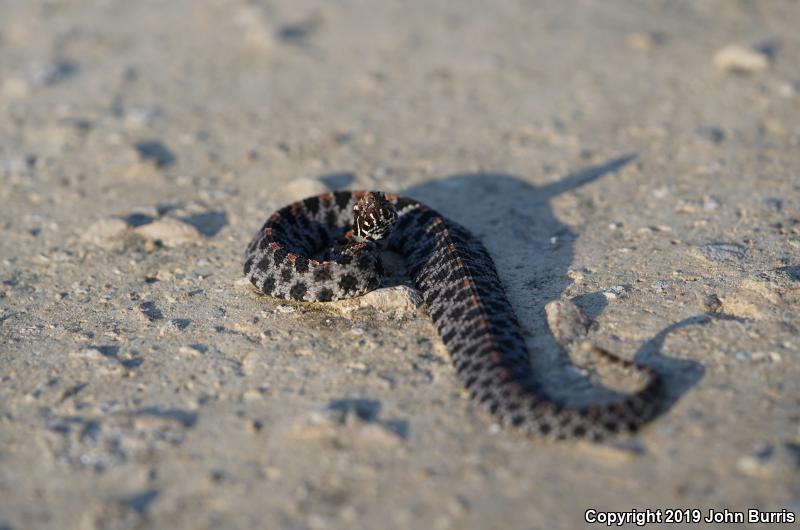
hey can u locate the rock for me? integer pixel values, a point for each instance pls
(104, 232)
(99, 359)
(17, 165)
(739, 59)
(142, 116)
(301, 188)
(769, 461)
(617, 291)
(180, 323)
(255, 32)
(723, 252)
(299, 32)
(39, 74)
(141, 216)
(711, 303)
(711, 133)
(400, 300)
(156, 153)
(644, 40)
(250, 363)
(150, 311)
(92, 354)
(169, 232)
(208, 223)
(567, 322)
(710, 203)
(661, 285)
(789, 89)
(774, 204)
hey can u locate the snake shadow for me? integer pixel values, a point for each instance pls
(533, 252)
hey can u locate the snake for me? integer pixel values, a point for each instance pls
(328, 247)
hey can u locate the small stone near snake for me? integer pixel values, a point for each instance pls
(739, 59)
(711, 303)
(566, 321)
(104, 232)
(150, 311)
(169, 232)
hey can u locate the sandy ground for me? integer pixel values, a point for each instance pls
(605, 152)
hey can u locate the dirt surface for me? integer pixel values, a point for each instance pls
(639, 158)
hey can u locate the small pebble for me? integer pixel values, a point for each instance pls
(644, 41)
(567, 322)
(16, 165)
(710, 203)
(660, 193)
(180, 323)
(770, 460)
(300, 188)
(575, 276)
(142, 116)
(356, 366)
(169, 232)
(299, 32)
(155, 152)
(617, 291)
(253, 28)
(400, 300)
(789, 89)
(774, 204)
(150, 311)
(711, 303)
(772, 357)
(661, 285)
(713, 134)
(739, 59)
(104, 232)
(88, 353)
(723, 252)
(40, 74)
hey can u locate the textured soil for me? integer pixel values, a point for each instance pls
(605, 152)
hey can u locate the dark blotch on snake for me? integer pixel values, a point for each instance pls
(323, 274)
(312, 203)
(263, 265)
(348, 283)
(298, 291)
(301, 264)
(279, 255)
(269, 285)
(342, 198)
(331, 217)
(364, 262)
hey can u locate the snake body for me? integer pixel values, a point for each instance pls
(328, 247)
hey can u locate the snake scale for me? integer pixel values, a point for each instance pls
(328, 248)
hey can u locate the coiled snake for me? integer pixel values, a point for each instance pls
(328, 247)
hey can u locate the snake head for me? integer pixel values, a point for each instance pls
(373, 217)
